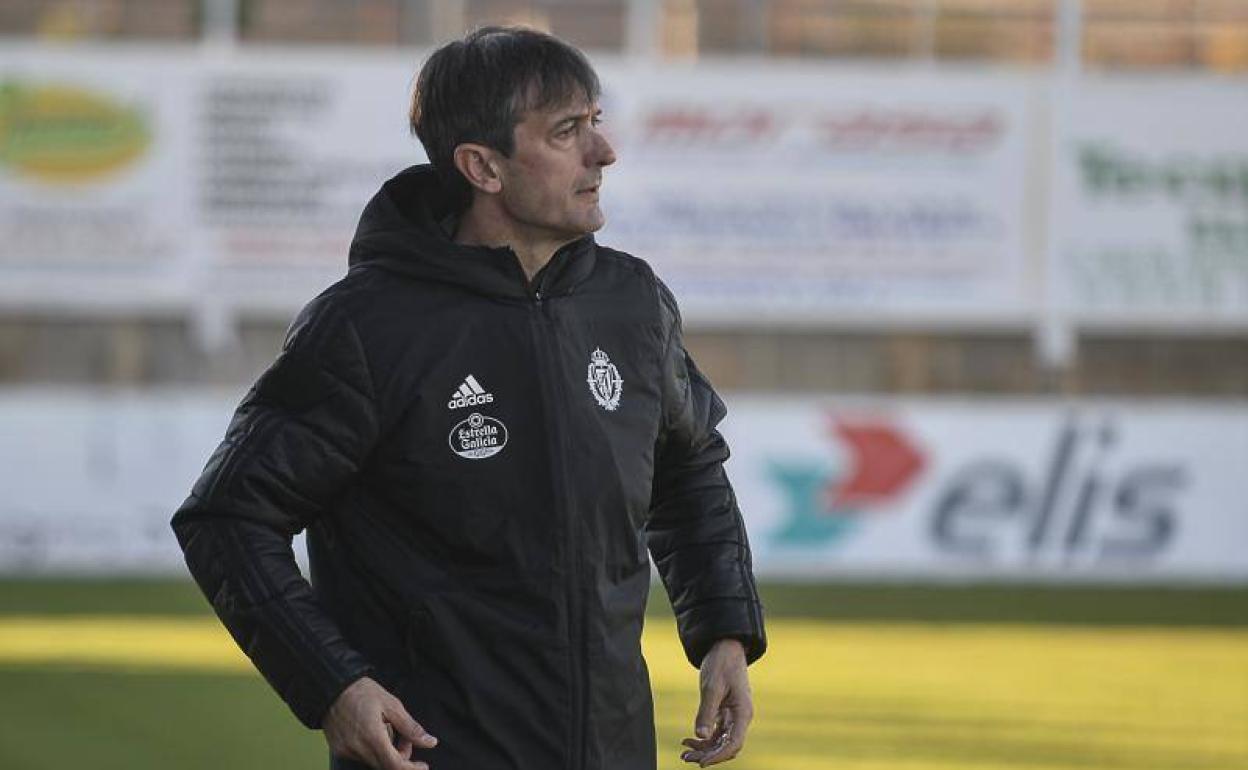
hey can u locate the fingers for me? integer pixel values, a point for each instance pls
(708, 723)
(708, 709)
(726, 706)
(368, 724)
(379, 745)
(730, 744)
(726, 742)
(405, 748)
(402, 736)
(402, 744)
(701, 748)
(408, 729)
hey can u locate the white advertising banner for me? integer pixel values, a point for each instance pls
(1045, 490)
(1150, 197)
(794, 192)
(291, 150)
(831, 488)
(768, 191)
(95, 204)
(234, 180)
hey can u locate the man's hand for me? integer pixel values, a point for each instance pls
(726, 708)
(362, 725)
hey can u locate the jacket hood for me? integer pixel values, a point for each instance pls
(406, 228)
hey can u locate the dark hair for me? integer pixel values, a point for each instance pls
(478, 89)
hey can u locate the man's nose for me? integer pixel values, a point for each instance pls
(602, 153)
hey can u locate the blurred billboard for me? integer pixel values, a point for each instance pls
(1150, 196)
(766, 193)
(1091, 491)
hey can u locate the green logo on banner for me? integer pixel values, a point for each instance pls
(66, 134)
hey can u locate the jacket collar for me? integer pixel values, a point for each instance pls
(405, 229)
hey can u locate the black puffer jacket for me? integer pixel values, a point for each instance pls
(481, 464)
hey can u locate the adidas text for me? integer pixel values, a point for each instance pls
(473, 400)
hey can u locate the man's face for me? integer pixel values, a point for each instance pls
(550, 183)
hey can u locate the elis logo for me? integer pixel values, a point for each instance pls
(469, 393)
(1093, 503)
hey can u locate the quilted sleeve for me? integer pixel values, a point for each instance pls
(695, 531)
(295, 442)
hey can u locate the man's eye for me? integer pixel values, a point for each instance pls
(596, 120)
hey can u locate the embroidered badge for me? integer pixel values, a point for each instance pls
(605, 383)
(478, 437)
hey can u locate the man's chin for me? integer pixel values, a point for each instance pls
(581, 229)
(595, 222)
(580, 226)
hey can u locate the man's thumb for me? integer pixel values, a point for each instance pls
(704, 723)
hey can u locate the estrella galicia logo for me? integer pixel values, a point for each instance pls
(478, 437)
(822, 505)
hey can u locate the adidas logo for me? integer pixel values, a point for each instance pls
(470, 393)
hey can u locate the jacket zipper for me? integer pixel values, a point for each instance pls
(576, 641)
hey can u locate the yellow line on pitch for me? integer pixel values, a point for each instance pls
(123, 641)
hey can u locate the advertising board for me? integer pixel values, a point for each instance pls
(1115, 491)
(1150, 197)
(776, 193)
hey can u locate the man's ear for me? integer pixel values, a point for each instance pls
(476, 163)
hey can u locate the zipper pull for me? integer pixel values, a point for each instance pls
(537, 289)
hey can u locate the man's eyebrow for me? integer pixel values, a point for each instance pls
(578, 116)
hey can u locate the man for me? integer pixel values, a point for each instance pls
(483, 428)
